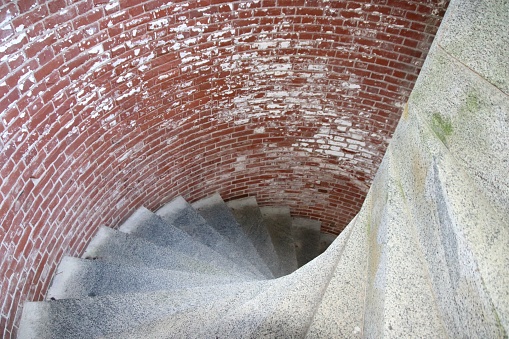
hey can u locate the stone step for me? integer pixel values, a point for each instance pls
(480, 233)
(325, 240)
(115, 246)
(395, 304)
(374, 220)
(220, 217)
(97, 317)
(248, 215)
(77, 278)
(285, 308)
(181, 214)
(279, 224)
(282, 309)
(306, 235)
(341, 310)
(199, 322)
(149, 226)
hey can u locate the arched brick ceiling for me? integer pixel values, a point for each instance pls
(107, 105)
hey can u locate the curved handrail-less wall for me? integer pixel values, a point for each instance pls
(107, 105)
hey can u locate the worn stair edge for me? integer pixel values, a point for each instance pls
(198, 322)
(147, 225)
(407, 282)
(262, 315)
(464, 239)
(77, 278)
(340, 313)
(93, 317)
(112, 245)
(286, 308)
(182, 215)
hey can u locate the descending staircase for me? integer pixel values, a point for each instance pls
(407, 266)
(427, 256)
(202, 270)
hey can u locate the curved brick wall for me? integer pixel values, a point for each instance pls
(107, 105)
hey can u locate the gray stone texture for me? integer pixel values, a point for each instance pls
(181, 214)
(219, 216)
(115, 246)
(77, 278)
(279, 225)
(248, 215)
(325, 240)
(340, 312)
(306, 237)
(106, 315)
(149, 226)
(475, 33)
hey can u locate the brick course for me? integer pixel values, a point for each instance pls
(110, 104)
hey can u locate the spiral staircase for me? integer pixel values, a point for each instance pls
(169, 273)
(426, 257)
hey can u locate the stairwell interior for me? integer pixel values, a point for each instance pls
(136, 115)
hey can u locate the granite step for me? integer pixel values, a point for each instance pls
(149, 226)
(115, 246)
(284, 309)
(271, 313)
(279, 225)
(97, 317)
(77, 278)
(306, 235)
(407, 284)
(220, 217)
(181, 214)
(248, 215)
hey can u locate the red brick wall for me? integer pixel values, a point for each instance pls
(108, 105)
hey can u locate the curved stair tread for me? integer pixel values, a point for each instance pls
(407, 283)
(248, 215)
(286, 308)
(262, 315)
(119, 247)
(197, 322)
(279, 225)
(220, 217)
(181, 214)
(95, 317)
(151, 227)
(77, 278)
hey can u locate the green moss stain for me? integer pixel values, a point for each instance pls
(473, 104)
(442, 126)
(368, 224)
(401, 190)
